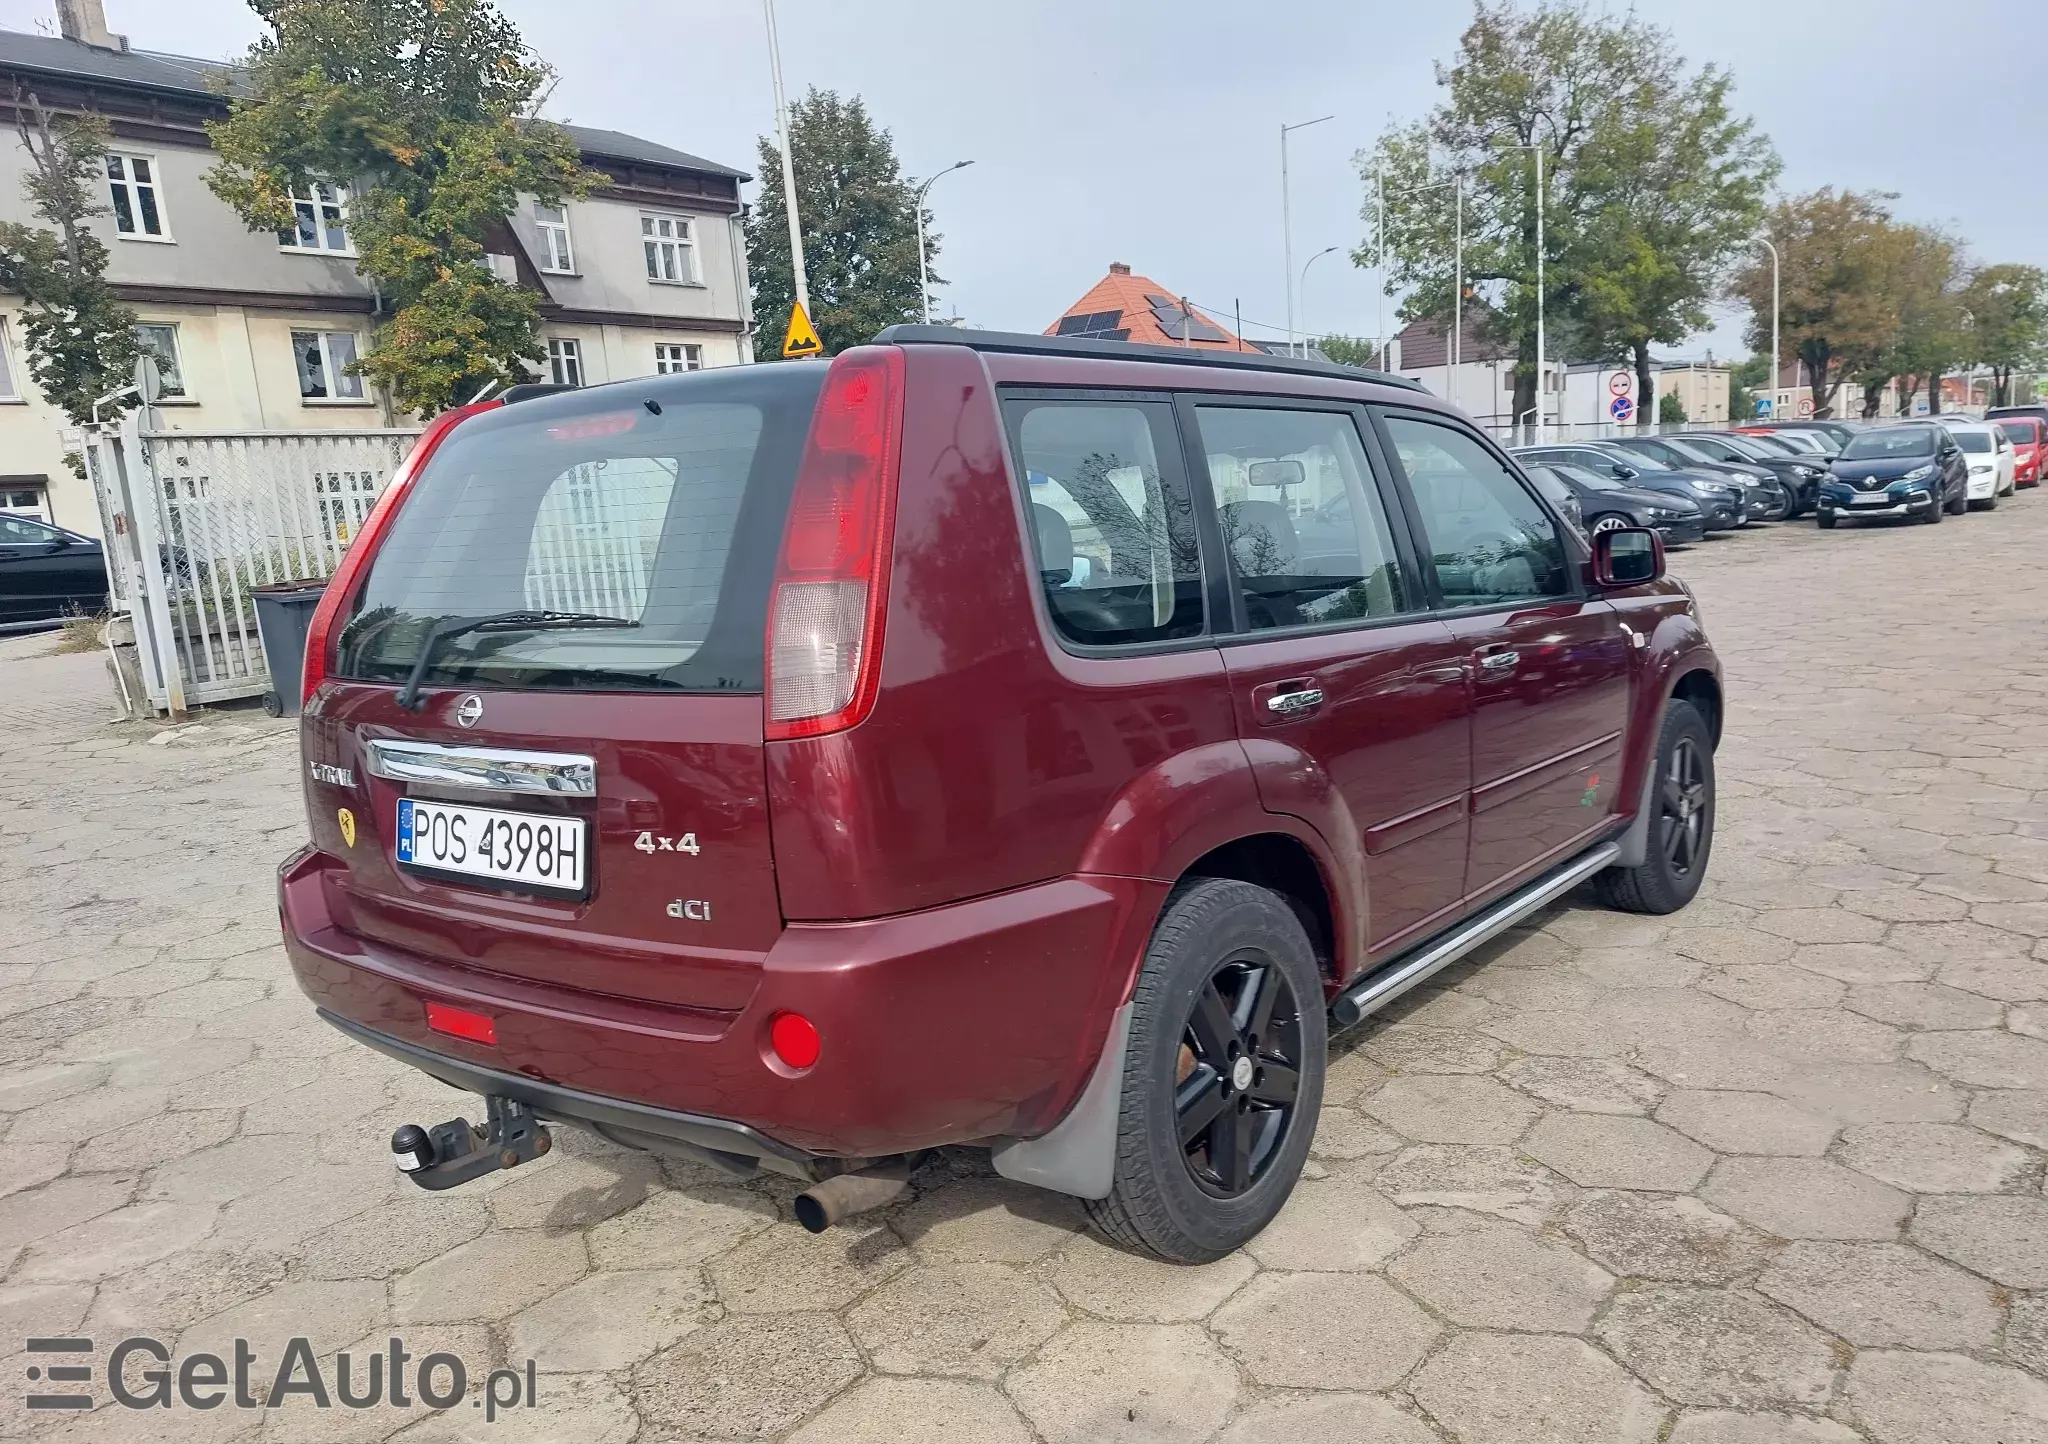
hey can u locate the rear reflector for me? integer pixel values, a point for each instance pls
(831, 581)
(795, 1039)
(461, 1023)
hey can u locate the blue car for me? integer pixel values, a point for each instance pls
(1914, 470)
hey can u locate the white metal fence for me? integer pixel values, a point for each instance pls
(195, 520)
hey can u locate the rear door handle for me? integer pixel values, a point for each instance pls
(1295, 704)
(1499, 661)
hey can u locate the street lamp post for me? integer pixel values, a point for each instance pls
(796, 235)
(924, 283)
(1287, 219)
(1761, 241)
(1303, 290)
(1454, 351)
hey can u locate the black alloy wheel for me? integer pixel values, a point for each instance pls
(1238, 1075)
(1678, 835)
(1682, 800)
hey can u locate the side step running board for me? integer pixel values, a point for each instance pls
(1381, 987)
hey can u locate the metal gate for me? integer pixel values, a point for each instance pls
(196, 519)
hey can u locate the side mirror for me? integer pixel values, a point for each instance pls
(1627, 557)
(1624, 473)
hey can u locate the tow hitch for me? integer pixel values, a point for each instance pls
(458, 1150)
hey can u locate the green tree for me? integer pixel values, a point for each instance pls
(1350, 351)
(425, 110)
(1670, 410)
(2007, 308)
(859, 221)
(1650, 185)
(1832, 316)
(1745, 380)
(80, 339)
(1913, 278)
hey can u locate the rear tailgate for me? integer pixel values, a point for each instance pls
(679, 900)
(578, 584)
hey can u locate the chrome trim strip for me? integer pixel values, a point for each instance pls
(484, 769)
(1371, 993)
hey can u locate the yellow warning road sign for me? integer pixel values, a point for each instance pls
(802, 339)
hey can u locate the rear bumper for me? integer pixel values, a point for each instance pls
(952, 1025)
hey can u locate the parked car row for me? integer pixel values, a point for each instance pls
(1687, 484)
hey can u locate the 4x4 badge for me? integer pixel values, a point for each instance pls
(470, 710)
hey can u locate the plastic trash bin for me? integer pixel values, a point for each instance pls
(284, 612)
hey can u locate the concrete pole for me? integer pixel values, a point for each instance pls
(1287, 226)
(796, 234)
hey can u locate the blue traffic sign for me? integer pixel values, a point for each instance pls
(1763, 406)
(1621, 408)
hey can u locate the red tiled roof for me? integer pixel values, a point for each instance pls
(1130, 297)
(1427, 343)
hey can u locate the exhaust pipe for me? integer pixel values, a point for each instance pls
(824, 1204)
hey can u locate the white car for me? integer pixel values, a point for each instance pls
(1989, 452)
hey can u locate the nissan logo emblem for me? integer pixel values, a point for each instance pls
(470, 710)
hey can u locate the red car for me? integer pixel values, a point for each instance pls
(2026, 435)
(1024, 743)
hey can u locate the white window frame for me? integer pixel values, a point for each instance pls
(288, 240)
(552, 233)
(662, 248)
(154, 185)
(334, 374)
(184, 392)
(10, 384)
(673, 358)
(565, 360)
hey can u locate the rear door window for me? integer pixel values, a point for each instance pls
(1112, 529)
(1304, 526)
(654, 508)
(1490, 542)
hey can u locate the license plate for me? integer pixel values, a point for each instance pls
(1875, 498)
(527, 849)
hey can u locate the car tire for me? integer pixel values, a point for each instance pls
(1932, 516)
(1825, 520)
(1221, 950)
(1962, 502)
(1989, 503)
(1682, 831)
(1608, 521)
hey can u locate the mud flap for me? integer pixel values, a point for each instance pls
(1078, 1156)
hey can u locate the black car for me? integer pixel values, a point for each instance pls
(1608, 505)
(1801, 478)
(47, 572)
(1764, 497)
(1718, 499)
(1916, 470)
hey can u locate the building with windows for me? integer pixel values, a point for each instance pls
(645, 276)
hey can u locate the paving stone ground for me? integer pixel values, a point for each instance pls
(1766, 1172)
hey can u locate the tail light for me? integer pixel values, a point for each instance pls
(832, 579)
(341, 586)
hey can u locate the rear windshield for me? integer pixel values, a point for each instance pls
(1973, 440)
(651, 510)
(1889, 442)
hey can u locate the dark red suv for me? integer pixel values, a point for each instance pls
(975, 740)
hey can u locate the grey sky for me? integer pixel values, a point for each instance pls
(1147, 130)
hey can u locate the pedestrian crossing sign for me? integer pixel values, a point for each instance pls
(802, 338)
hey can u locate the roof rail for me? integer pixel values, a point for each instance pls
(1029, 345)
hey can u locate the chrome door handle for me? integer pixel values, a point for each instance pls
(1499, 661)
(1293, 704)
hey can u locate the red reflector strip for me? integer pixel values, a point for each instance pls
(582, 428)
(461, 1023)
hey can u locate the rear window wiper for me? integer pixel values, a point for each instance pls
(525, 621)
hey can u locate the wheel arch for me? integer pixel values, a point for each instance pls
(1285, 864)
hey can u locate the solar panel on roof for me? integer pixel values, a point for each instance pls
(1091, 324)
(1180, 324)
